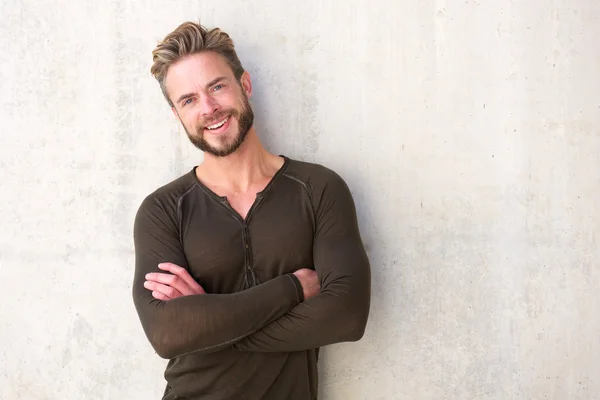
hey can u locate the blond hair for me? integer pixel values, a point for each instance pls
(192, 38)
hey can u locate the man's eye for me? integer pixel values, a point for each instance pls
(188, 101)
(218, 87)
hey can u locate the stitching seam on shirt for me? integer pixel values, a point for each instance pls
(180, 213)
(295, 288)
(305, 186)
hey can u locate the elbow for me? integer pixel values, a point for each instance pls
(164, 353)
(163, 343)
(356, 334)
(357, 317)
(160, 337)
(351, 319)
(163, 348)
(355, 322)
(355, 303)
(355, 329)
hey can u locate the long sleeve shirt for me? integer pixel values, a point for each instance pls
(252, 336)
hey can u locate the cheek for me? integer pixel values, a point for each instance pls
(191, 124)
(193, 120)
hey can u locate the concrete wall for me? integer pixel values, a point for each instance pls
(468, 131)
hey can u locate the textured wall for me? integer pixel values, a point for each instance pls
(468, 131)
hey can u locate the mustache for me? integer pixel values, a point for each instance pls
(216, 118)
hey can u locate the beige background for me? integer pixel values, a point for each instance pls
(469, 133)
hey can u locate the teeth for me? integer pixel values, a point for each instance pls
(218, 125)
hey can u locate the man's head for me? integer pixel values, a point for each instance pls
(206, 86)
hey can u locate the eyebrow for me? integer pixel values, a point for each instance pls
(209, 84)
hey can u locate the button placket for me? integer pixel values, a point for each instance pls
(248, 254)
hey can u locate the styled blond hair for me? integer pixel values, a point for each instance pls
(192, 38)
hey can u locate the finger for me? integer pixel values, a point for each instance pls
(159, 296)
(166, 290)
(167, 279)
(181, 273)
(168, 266)
(170, 280)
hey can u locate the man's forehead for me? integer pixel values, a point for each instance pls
(201, 67)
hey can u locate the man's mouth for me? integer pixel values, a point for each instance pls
(218, 124)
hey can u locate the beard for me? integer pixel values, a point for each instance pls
(245, 118)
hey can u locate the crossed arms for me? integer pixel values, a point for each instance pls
(270, 317)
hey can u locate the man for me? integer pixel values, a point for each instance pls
(250, 262)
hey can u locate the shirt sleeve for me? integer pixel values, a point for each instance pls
(197, 323)
(340, 311)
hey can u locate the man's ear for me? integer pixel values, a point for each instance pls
(246, 84)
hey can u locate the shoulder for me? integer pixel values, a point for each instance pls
(167, 197)
(320, 181)
(314, 176)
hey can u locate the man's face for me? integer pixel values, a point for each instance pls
(211, 104)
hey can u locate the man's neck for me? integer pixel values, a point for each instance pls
(250, 165)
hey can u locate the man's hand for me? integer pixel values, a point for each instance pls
(175, 284)
(309, 281)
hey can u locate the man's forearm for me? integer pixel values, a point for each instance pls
(338, 314)
(209, 322)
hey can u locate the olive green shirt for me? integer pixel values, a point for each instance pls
(252, 336)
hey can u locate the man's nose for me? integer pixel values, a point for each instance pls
(208, 105)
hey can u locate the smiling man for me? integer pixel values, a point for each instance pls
(250, 262)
